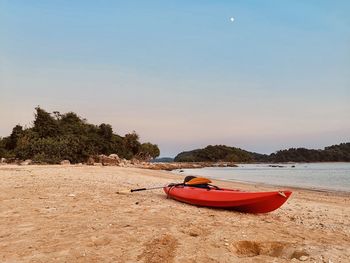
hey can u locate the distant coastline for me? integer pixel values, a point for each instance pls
(223, 153)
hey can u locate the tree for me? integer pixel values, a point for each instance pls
(148, 151)
(3, 150)
(131, 144)
(15, 135)
(44, 124)
(106, 131)
(70, 123)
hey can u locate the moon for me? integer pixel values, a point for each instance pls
(232, 19)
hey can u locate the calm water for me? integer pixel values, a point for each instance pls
(328, 176)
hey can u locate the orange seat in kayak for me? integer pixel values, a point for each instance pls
(248, 202)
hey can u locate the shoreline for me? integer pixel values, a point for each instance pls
(174, 172)
(175, 175)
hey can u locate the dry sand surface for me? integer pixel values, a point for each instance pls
(75, 214)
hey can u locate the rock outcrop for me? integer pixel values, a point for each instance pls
(111, 160)
(65, 162)
(115, 160)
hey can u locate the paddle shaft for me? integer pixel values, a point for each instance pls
(144, 189)
(152, 188)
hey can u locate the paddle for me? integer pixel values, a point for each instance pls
(144, 189)
(193, 181)
(125, 191)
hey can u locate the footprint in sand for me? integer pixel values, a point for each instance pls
(161, 249)
(277, 249)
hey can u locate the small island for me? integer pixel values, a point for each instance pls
(56, 137)
(223, 153)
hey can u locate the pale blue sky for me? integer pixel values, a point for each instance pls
(181, 73)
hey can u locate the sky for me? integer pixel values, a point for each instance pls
(181, 73)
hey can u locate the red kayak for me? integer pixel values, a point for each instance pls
(248, 202)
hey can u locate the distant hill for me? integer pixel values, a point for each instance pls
(218, 153)
(334, 153)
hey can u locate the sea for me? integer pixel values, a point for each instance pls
(317, 176)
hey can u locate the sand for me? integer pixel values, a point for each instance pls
(79, 214)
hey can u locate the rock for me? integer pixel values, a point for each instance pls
(71, 195)
(11, 160)
(125, 163)
(97, 164)
(303, 258)
(109, 161)
(26, 162)
(114, 156)
(135, 161)
(300, 255)
(90, 161)
(3, 160)
(65, 162)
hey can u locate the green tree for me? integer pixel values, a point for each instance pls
(131, 144)
(148, 151)
(3, 150)
(11, 143)
(106, 131)
(71, 123)
(44, 124)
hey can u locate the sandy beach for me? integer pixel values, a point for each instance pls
(80, 214)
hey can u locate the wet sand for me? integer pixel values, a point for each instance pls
(80, 214)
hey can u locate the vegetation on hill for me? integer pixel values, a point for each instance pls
(55, 137)
(335, 153)
(217, 153)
